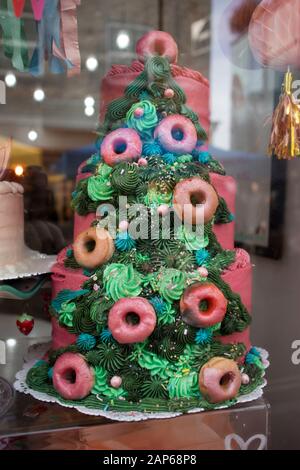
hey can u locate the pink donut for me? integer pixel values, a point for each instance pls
(177, 134)
(220, 379)
(121, 145)
(216, 305)
(73, 379)
(131, 320)
(157, 43)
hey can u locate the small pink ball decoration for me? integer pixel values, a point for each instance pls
(123, 226)
(203, 272)
(142, 162)
(169, 93)
(274, 34)
(245, 379)
(163, 210)
(138, 112)
(116, 381)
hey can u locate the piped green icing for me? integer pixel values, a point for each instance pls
(99, 189)
(101, 386)
(193, 241)
(121, 280)
(67, 312)
(125, 178)
(171, 284)
(145, 123)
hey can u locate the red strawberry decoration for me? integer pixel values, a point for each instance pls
(25, 323)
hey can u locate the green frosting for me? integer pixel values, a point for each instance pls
(155, 364)
(168, 315)
(147, 121)
(184, 386)
(67, 312)
(99, 189)
(171, 284)
(154, 198)
(121, 280)
(191, 240)
(125, 178)
(104, 171)
(101, 386)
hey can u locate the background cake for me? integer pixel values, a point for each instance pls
(11, 223)
(151, 325)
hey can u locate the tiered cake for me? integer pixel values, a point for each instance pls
(154, 323)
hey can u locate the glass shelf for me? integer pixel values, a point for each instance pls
(30, 424)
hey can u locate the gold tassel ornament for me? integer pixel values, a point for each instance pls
(285, 134)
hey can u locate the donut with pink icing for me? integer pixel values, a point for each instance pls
(121, 145)
(131, 320)
(176, 134)
(219, 379)
(73, 379)
(203, 305)
(195, 201)
(157, 43)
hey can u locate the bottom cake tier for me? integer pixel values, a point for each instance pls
(136, 382)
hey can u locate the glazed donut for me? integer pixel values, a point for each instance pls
(93, 247)
(219, 379)
(215, 305)
(176, 134)
(73, 379)
(131, 320)
(194, 200)
(121, 145)
(157, 43)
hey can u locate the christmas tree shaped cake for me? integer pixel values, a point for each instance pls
(151, 303)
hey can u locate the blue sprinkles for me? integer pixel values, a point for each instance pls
(204, 336)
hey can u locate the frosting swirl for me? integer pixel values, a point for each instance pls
(146, 121)
(121, 280)
(66, 313)
(191, 240)
(125, 178)
(99, 189)
(171, 284)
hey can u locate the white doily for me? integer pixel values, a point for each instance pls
(37, 351)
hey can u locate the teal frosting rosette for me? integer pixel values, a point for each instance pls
(142, 117)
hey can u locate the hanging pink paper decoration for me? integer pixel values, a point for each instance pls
(38, 8)
(274, 33)
(68, 47)
(18, 7)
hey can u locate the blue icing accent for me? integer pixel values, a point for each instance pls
(158, 304)
(50, 373)
(169, 158)
(74, 194)
(255, 351)
(151, 148)
(204, 336)
(202, 256)
(69, 252)
(124, 242)
(85, 342)
(232, 217)
(144, 96)
(65, 295)
(204, 157)
(106, 335)
(94, 159)
(87, 272)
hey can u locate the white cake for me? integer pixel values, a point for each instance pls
(12, 245)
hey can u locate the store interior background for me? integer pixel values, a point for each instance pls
(65, 136)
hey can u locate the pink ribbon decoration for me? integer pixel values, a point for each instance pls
(68, 49)
(38, 9)
(5, 150)
(18, 7)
